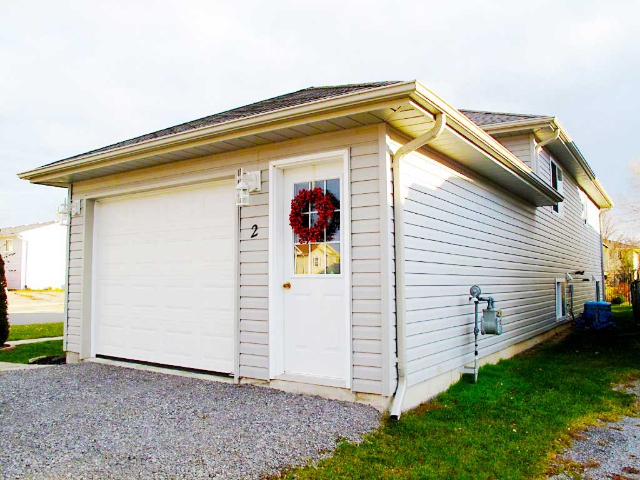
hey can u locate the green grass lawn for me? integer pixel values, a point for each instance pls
(22, 353)
(42, 330)
(508, 425)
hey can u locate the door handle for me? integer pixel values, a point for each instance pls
(286, 286)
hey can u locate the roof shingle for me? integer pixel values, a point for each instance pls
(482, 118)
(300, 97)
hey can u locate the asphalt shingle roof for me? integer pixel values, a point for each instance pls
(491, 118)
(300, 97)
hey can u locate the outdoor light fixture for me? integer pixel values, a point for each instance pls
(246, 183)
(568, 277)
(67, 210)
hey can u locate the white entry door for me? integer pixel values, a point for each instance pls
(316, 309)
(163, 278)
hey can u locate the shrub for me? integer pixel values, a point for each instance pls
(618, 300)
(4, 316)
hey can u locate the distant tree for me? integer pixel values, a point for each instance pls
(4, 315)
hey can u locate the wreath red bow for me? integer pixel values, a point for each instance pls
(324, 205)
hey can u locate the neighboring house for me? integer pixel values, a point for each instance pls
(165, 269)
(621, 259)
(621, 267)
(34, 255)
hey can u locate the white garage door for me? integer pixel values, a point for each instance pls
(163, 280)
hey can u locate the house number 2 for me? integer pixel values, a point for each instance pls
(254, 234)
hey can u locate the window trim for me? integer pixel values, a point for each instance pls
(560, 285)
(559, 186)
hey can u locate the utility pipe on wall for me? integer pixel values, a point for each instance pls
(398, 209)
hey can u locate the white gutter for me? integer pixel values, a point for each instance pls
(398, 209)
(561, 134)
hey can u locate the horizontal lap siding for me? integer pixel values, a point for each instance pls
(74, 305)
(254, 267)
(366, 330)
(461, 230)
(254, 284)
(521, 147)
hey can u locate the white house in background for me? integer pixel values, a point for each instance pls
(34, 255)
(428, 200)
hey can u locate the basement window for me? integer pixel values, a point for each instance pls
(557, 181)
(561, 300)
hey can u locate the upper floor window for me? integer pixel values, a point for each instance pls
(557, 180)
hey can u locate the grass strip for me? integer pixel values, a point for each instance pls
(41, 330)
(22, 353)
(511, 423)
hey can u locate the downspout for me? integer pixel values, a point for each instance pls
(603, 285)
(398, 209)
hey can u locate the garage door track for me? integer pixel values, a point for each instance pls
(99, 421)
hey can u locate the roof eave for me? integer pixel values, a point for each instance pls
(476, 134)
(362, 98)
(531, 125)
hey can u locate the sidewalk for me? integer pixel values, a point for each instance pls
(33, 340)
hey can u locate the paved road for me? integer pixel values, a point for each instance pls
(36, 317)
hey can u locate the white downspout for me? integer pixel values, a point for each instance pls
(398, 209)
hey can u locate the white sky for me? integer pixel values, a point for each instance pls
(81, 75)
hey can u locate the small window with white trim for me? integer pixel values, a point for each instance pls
(561, 300)
(8, 246)
(584, 214)
(557, 181)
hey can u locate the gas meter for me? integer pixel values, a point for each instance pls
(491, 321)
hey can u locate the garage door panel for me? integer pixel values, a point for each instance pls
(164, 278)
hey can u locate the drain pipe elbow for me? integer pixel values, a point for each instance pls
(542, 144)
(398, 209)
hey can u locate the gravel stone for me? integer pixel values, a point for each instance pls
(97, 421)
(614, 446)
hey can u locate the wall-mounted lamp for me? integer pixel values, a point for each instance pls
(67, 210)
(568, 277)
(246, 183)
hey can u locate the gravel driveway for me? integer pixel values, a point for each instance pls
(98, 421)
(611, 450)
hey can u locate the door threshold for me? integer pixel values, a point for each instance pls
(313, 380)
(175, 371)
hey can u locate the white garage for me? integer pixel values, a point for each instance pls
(164, 279)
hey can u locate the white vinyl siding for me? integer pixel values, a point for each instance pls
(522, 147)
(253, 252)
(463, 230)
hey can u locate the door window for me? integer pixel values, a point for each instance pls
(322, 257)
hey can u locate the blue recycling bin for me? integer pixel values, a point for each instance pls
(596, 315)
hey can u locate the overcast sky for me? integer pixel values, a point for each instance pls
(81, 75)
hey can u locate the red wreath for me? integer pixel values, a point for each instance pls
(323, 204)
